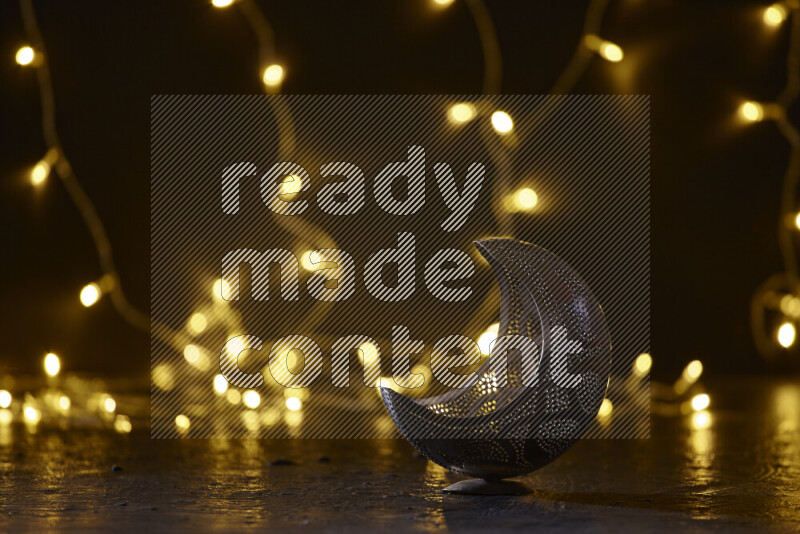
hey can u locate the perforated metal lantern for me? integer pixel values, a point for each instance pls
(555, 380)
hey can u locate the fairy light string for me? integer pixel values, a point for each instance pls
(500, 135)
(781, 292)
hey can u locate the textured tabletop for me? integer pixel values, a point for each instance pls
(737, 470)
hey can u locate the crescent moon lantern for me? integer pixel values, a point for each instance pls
(554, 357)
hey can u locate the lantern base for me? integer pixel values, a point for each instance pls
(479, 486)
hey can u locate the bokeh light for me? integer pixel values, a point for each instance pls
(25, 55)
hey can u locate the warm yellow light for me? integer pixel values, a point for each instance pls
(775, 14)
(293, 419)
(610, 52)
(25, 55)
(162, 377)
(293, 403)
(31, 414)
(461, 113)
(220, 289)
(751, 111)
(220, 384)
(300, 393)
(233, 396)
(606, 49)
(52, 365)
(221, 3)
(6, 417)
(270, 416)
(701, 420)
(370, 354)
(797, 221)
(700, 402)
(109, 405)
(182, 422)
(251, 398)
(693, 371)
(485, 340)
(273, 75)
(40, 172)
(443, 3)
(291, 185)
(90, 294)
(234, 346)
(502, 122)
(191, 353)
(306, 260)
(64, 403)
(605, 409)
(525, 199)
(5, 398)
(197, 323)
(122, 424)
(642, 364)
(786, 335)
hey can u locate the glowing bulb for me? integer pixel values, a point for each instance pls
(194, 356)
(109, 405)
(291, 185)
(642, 364)
(786, 335)
(700, 402)
(221, 3)
(197, 323)
(797, 221)
(693, 371)
(31, 414)
(182, 422)
(64, 403)
(25, 55)
(370, 354)
(234, 346)
(607, 50)
(270, 417)
(701, 420)
(122, 424)
(502, 123)
(293, 419)
(605, 409)
(273, 75)
(220, 384)
(52, 365)
(220, 289)
(443, 3)
(485, 340)
(306, 260)
(162, 377)
(251, 399)
(525, 199)
(293, 403)
(610, 52)
(751, 111)
(461, 113)
(233, 396)
(90, 294)
(40, 172)
(5, 398)
(775, 14)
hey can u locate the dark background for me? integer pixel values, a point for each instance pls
(715, 183)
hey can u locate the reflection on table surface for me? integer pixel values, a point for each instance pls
(734, 467)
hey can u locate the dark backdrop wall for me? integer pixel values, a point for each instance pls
(715, 184)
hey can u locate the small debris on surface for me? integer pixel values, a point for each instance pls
(281, 461)
(116, 468)
(324, 460)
